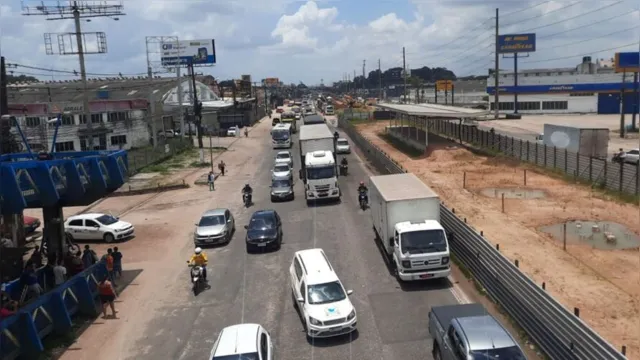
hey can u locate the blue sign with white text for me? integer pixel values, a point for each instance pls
(601, 87)
(516, 43)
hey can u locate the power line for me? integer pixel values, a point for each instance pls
(74, 72)
(463, 36)
(541, 15)
(573, 17)
(586, 25)
(590, 39)
(527, 8)
(584, 54)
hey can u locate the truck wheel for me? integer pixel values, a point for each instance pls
(396, 272)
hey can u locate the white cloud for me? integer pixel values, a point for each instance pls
(311, 40)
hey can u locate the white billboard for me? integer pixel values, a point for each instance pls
(188, 52)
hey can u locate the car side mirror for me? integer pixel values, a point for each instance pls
(246, 227)
(349, 292)
(229, 220)
(196, 224)
(300, 299)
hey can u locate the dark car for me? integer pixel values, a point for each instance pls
(264, 231)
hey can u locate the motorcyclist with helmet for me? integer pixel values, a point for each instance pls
(362, 188)
(344, 166)
(247, 190)
(199, 258)
(336, 135)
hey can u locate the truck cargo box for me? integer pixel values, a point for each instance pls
(591, 142)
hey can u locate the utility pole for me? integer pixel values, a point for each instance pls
(379, 81)
(496, 71)
(364, 62)
(404, 74)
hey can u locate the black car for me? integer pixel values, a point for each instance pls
(264, 231)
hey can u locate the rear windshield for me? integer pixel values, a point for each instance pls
(247, 356)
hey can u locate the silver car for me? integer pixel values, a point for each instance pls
(284, 157)
(215, 227)
(342, 146)
(282, 171)
(282, 190)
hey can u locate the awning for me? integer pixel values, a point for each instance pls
(433, 110)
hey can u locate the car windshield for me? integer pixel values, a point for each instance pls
(280, 134)
(261, 221)
(326, 293)
(280, 183)
(510, 353)
(106, 220)
(281, 168)
(424, 241)
(211, 220)
(247, 356)
(342, 142)
(282, 156)
(316, 173)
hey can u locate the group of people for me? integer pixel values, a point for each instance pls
(211, 177)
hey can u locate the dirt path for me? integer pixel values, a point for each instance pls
(603, 284)
(159, 251)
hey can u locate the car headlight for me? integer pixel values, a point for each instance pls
(445, 260)
(406, 264)
(352, 314)
(313, 321)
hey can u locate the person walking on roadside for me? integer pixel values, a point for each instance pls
(107, 296)
(221, 166)
(117, 262)
(89, 257)
(108, 260)
(211, 179)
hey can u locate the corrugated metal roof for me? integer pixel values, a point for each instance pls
(398, 187)
(433, 110)
(316, 131)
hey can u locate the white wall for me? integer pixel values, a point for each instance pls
(576, 104)
(565, 79)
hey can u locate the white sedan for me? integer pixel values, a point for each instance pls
(95, 226)
(632, 156)
(232, 131)
(342, 146)
(284, 157)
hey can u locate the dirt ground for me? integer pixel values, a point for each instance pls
(604, 285)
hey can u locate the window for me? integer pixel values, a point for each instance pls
(96, 118)
(264, 347)
(99, 143)
(581, 94)
(326, 293)
(529, 105)
(119, 140)
(82, 119)
(67, 120)
(65, 146)
(75, 223)
(633, 152)
(503, 106)
(32, 121)
(555, 105)
(303, 290)
(91, 223)
(298, 268)
(83, 143)
(118, 116)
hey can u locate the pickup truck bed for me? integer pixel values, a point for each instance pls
(444, 314)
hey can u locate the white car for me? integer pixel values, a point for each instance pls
(232, 131)
(284, 157)
(342, 146)
(282, 171)
(319, 297)
(632, 156)
(95, 226)
(243, 342)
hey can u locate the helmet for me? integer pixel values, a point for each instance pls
(246, 185)
(361, 183)
(198, 251)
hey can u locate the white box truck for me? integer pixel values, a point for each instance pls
(586, 141)
(406, 218)
(317, 156)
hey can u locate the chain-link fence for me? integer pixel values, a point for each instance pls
(139, 158)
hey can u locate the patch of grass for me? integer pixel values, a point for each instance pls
(155, 168)
(198, 164)
(404, 148)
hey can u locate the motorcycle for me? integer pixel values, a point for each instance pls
(344, 169)
(618, 158)
(246, 199)
(362, 200)
(196, 278)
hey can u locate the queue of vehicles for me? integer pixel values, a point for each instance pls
(406, 219)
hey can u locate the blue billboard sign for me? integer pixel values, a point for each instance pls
(545, 89)
(627, 62)
(188, 52)
(516, 43)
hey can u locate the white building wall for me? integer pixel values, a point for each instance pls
(557, 79)
(576, 104)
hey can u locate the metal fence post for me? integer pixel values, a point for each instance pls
(591, 169)
(606, 170)
(555, 157)
(620, 185)
(528, 151)
(566, 155)
(637, 180)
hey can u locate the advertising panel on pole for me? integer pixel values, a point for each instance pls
(516, 43)
(444, 85)
(186, 52)
(271, 82)
(627, 62)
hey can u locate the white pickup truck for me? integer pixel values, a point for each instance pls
(406, 218)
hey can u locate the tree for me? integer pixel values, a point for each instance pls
(11, 79)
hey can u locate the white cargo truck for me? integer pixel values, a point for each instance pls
(317, 156)
(406, 218)
(586, 141)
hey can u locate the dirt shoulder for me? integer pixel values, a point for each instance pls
(603, 284)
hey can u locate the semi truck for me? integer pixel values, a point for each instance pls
(406, 219)
(586, 141)
(467, 331)
(319, 169)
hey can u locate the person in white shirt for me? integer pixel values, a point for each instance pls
(59, 273)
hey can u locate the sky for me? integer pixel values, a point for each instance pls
(314, 41)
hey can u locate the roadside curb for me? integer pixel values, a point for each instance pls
(149, 190)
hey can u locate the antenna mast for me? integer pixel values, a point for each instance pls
(85, 43)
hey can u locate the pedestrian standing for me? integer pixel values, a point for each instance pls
(221, 167)
(211, 178)
(29, 279)
(36, 257)
(108, 260)
(59, 273)
(89, 257)
(107, 296)
(117, 262)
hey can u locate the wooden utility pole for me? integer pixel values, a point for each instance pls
(379, 81)
(496, 71)
(404, 74)
(364, 62)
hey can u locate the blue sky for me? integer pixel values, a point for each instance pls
(308, 41)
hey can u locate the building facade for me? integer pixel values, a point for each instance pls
(587, 88)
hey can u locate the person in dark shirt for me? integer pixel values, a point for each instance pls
(36, 257)
(89, 257)
(29, 279)
(117, 262)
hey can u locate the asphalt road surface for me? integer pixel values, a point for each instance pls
(254, 288)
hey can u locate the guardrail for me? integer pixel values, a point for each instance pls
(557, 332)
(21, 334)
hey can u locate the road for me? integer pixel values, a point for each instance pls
(254, 288)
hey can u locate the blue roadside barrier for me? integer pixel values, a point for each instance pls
(51, 313)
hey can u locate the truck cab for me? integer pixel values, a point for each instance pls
(421, 250)
(320, 176)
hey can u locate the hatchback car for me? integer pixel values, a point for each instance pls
(243, 342)
(284, 157)
(95, 226)
(264, 231)
(632, 156)
(215, 227)
(232, 131)
(342, 146)
(282, 189)
(282, 171)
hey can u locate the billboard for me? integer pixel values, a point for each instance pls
(516, 43)
(185, 52)
(444, 85)
(272, 82)
(627, 62)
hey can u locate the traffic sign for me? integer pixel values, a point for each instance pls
(444, 85)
